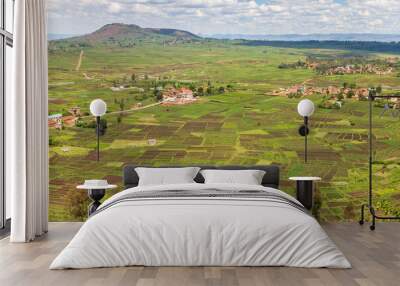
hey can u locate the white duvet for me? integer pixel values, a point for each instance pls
(202, 232)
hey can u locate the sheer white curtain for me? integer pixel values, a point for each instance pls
(27, 133)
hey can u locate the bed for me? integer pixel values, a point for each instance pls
(198, 224)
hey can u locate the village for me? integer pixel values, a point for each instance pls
(345, 67)
(333, 96)
(170, 96)
(351, 69)
(301, 90)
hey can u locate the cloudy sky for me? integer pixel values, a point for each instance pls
(229, 16)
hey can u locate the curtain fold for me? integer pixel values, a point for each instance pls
(27, 142)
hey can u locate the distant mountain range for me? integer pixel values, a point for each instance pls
(53, 36)
(313, 37)
(124, 32)
(125, 36)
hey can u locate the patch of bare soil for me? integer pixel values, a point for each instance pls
(113, 179)
(57, 100)
(78, 65)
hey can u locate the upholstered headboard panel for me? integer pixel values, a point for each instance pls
(271, 177)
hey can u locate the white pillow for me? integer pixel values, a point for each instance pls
(166, 176)
(247, 177)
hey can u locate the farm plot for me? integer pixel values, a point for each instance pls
(242, 126)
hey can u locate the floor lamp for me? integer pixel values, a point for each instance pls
(98, 108)
(305, 108)
(369, 206)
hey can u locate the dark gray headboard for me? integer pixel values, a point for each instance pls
(271, 178)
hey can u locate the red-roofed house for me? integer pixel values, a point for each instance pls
(178, 96)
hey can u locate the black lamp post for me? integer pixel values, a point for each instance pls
(98, 108)
(305, 108)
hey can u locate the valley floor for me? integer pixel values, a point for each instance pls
(375, 257)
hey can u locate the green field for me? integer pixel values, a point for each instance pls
(243, 126)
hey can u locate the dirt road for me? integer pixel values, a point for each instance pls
(78, 65)
(128, 110)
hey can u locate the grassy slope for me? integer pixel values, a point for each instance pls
(245, 126)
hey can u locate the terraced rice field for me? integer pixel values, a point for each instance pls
(244, 126)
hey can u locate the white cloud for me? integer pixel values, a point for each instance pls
(377, 22)
(364, 13)
(114, 7)
(199, 13)
(230, 16)
(276, 8)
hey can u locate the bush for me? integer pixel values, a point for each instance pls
(83, 124)
(78, 204)
(102, 126)
(350, 94)
(200, 91)
(328, 104)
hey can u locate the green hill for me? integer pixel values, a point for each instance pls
(124, 35)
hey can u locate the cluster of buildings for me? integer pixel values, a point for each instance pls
(334, 68)
(334, 91)
(172, 96)
(357, 69)
(58, 120)
(178, 96)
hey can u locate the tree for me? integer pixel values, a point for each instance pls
(122, 104)
(353, 85)
(221, 90)
(345, 85)
(159, 96)
(133, 77)
(283, 66)
(192, 87)
(379, 89)
(209, 90)
(158, 93)
(146, 77)
(157, 89)
(200, 91)
(51, 141)
(350, 94)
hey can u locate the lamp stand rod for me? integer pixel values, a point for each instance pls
(98, 137)
(305, 138)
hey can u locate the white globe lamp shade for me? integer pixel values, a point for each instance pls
(98, 107)
(306, 108)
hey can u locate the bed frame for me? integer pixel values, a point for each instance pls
(271, 177)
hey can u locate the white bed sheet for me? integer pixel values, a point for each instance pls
(200, 232)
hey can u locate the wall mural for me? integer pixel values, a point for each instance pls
(177, 98)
